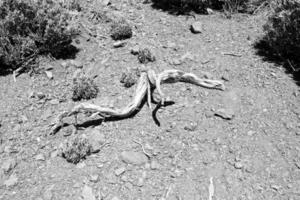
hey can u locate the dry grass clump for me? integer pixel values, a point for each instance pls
(145, 56)
(121, 30)
(76, 149)
(84, 88)
(282, 32)
(128, 79)
(29, 28)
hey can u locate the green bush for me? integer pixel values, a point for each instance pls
(32, 28)
(282, 31)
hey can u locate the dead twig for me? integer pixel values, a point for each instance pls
(147, 154)
(232, 54)
(146, 83)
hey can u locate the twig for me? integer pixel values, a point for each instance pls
(232, 54)
(147, 154)
(290, 64)
(211, 189)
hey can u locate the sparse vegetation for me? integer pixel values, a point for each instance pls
(121, 30)
(84, 88)
(130, 78)
(145, 56)
(283, 32)
(76, 149)
(32, 28)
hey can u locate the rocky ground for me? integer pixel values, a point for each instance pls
(241, 143)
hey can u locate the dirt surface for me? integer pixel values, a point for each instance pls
(194, 153)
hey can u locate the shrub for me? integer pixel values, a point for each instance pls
(130, 78)
(32, 28)
(282, 31)
(145, 56)
(76, 149)
(121, 30)
(84, 88)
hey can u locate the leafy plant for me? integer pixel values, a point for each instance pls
(32, 28)
(84, 88)
(282, 31)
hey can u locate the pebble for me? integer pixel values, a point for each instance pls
(191, 126)
(94, 178)
(8, 165)
(12, 181)
(49, 74)
(135, 50)
(227, 114)
(87, 193)
(120, 171)
(54, 101)
(225, 77)
(135, 158)
(119, 44)
(40, 157)
(76, 64)
(115, 198)
(238, 165)
(96, 139)
(154, 165)
(197, 27)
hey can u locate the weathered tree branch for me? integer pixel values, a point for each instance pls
(147, 81)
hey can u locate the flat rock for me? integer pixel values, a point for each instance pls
(225, 113)
(96, 139)
(87, 193)
(12, 181)
(40, 157)
(119, 44)
(120, 171)
(197, 27)
(8, 165)
(49, 74)
(135, 158)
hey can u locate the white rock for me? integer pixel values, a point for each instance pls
(49, 74)
(87, 193)
(135, 158)
(197, 27)
(12, 181)
(119, 44)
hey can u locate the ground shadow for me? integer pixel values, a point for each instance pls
(290, 63)
(176, 7)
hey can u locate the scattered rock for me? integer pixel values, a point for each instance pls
(94, 178)
(40, 157)
(8, 165)
(12, 181)
(87, 193)
(96, 139)
(54, 101)
(135, 158)
(209, 11)
(238, 165)
(49, 74)
(154, 165)
(135, 50)
(120, 171)
(119, 44)
(192, 126)
(146, 56)
(227, 114)
(197, 27)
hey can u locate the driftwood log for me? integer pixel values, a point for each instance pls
(147, 82)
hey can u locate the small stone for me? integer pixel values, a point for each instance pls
(115, 198)
(238, 165)
(135, 158)
(209, 11)
(225, 77)
(12, 181)
(208, 75)
(54, 101)
(227, 114)
(8, 165)
(176, 61)
(76, 64)
(96, 140)
(119, 44)
(94, 178)
(54, 154)
(197, 27)
(140, 182)
(40, 157)
(49, 74)
(106, 2)
(120, 171)
(154, 165)
(191, 126)
(135, 50)
(87, 193)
